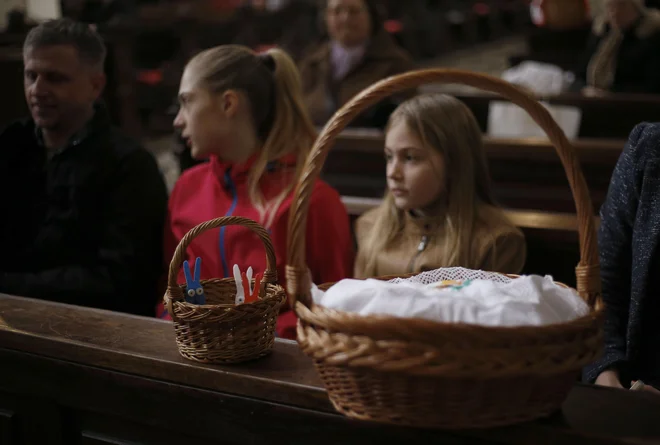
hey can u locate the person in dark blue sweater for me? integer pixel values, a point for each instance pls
(629, 242)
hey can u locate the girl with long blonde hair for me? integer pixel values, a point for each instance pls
(244, 111)
(438, 210)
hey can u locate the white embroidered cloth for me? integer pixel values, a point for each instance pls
(486, 299)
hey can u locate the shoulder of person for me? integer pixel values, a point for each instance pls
(316, 53)
(322, 192)
(18, 131)
(366, 221)
(509, 236)
(643, 146)
(14, 137)
(501, 246)
(123, 148)
(383, 46)
(649, 27)
(499, 228)
(190, 181)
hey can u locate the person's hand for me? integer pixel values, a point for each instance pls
(609, 378)
(593, 92)
(652, 390)
(649, 388)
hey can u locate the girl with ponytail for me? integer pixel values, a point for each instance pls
(244, 112)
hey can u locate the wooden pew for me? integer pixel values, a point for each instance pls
(552, 238)
(612, 116)
(526, 173)
(73, 375)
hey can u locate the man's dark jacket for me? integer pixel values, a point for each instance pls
(83, 226)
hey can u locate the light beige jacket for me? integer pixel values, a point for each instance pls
(496, 249)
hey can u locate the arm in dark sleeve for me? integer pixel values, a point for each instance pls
(615, 245)
(124, 275)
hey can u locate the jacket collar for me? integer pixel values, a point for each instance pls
(419, 225)
(231, 173)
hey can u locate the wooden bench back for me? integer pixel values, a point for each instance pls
(612, 116)
(526, 173)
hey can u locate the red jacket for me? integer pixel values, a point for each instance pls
(217, 189)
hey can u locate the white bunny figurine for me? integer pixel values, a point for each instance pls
(240, 292)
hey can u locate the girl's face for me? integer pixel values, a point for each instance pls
(416, 174)
(203, 118)
(348, 22)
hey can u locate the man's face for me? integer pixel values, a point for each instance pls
(59, 86)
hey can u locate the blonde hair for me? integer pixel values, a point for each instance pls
(273, 87)
(445, 124)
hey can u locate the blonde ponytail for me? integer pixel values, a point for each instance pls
(292, 131)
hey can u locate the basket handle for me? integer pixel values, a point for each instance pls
(588, 269)
(270, 274)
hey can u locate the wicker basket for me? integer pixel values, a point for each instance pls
(220, 331)
(441, 375)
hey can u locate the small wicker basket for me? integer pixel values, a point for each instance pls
(442, 375)
(220, 331)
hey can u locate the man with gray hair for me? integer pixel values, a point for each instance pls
(84, 205)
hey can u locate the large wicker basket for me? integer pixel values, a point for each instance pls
(422, 373)
(220, 331)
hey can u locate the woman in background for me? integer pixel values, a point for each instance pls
(358, 53)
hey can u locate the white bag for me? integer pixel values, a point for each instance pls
(506, 120)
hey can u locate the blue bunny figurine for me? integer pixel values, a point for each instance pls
(194, 289)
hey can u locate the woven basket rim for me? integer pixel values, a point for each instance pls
(318, 309)
(270, 294)
(459, 353)
(350, 322)
(347, 318)
(275, 295)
